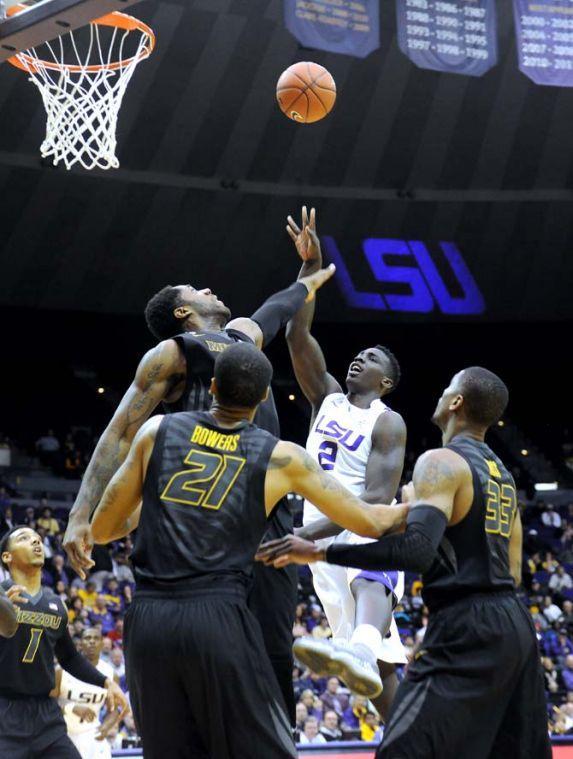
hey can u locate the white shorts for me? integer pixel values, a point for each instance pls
(332, 586)
(88, 747)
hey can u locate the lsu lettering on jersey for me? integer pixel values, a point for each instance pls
(74, 692)
(341, 441)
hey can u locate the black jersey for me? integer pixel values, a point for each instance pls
(200, 350)
(27, 659)
(203, 512)
(474, 554)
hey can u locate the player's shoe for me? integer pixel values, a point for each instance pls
(358, 669)
(355, 665)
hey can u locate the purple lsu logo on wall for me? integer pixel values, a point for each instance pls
(427, 288)
(340, 436)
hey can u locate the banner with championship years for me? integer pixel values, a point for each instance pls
(544, 31)
(453, 36)
(350, 27)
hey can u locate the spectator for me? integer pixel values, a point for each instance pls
(301, 715)
(560, 580)
(72, 462)
(369, 726)
(106, 650)
(330, 728)
(75, 610)
(299, 629)
(5, 500)
(567, 618)
(310, 732)
(422, 631)
(117, 662)
(116, 635)
(88, 595)
(121, 569)
(322, 630)
(58, 571)
(567, 673)
(48, 448)
(550, 564)
(333, 697)
(312, 703)
(30, 517)
(100, 615)
(355, 712)
(551, 611)
(551, 675)
(560, 646)
(314, 619)
(550, 517)
(48, 523)
(112, 596)
(6, 520)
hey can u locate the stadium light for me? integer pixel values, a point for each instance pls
(541, 486)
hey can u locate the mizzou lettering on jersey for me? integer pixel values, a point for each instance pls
(38, 618)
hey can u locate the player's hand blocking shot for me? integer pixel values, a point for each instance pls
(209, 481)
(31, 723)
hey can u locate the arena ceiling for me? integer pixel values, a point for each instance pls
(210, 168)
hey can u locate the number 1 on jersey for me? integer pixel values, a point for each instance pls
(32, 650)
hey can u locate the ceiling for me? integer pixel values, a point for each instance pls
(210, 168)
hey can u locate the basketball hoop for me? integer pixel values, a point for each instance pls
(82, 77)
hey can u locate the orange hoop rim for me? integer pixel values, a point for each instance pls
(115, 19)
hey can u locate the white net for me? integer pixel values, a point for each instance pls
(82, 77)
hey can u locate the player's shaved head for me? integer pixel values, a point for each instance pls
(476, 393)
(242, 376)
(485, 395)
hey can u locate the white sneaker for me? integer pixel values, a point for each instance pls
(358, 669)
(354, 664)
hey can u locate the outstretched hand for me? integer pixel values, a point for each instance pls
(288, 550)
(305, 237)
(315, 281)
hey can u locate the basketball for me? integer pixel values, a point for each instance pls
(306, 92)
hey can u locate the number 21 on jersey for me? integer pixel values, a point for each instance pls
(206, 482)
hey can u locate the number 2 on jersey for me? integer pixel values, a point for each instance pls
(207, 482)
(327, 455)
(500, 508)
(32, 650)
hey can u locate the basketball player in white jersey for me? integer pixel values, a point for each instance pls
(359, 440)
(82, 703)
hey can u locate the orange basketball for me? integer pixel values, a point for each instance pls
(306, 92)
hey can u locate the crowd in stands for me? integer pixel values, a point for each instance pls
(67, 456)
(326, 710)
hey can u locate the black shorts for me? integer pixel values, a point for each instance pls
(200, 683)
(475, 688)
(34, 728)
(273, 600)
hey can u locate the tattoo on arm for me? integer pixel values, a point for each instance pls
(432, 476)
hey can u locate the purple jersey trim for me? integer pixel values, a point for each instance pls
(388, 579)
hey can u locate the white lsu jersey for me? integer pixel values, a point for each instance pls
(341, 441)
(74, 692)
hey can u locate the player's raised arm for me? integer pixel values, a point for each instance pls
(8, 618)
(383, 472)
(306, 354)
(276, 311)
(292, 469)
(118, 511)
(438, 476)
(159, 371)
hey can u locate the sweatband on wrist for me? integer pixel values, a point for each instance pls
(415, 550)
(279, 309)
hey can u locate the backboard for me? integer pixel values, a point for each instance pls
(48, 19)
